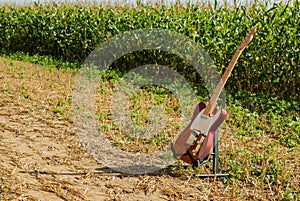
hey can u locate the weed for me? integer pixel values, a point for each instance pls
(58, 110)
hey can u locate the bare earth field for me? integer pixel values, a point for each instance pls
(43, 159)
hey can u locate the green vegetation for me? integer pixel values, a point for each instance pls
(263, 91)
(263, 139)
(70, 32)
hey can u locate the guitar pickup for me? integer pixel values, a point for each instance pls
(195, 133)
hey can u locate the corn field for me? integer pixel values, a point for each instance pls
(70, 32)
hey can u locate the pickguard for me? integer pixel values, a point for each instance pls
(203, 123)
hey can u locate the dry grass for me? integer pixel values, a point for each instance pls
(42, 157)
(141, 103)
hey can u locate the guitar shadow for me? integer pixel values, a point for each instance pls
(105, 171)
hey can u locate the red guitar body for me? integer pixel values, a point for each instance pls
(188, 152)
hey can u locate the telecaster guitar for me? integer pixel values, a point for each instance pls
(194, 144)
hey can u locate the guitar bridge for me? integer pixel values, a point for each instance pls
(199, 141)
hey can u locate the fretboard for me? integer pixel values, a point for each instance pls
(211, 105)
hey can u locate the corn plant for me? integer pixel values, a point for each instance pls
(270, 65)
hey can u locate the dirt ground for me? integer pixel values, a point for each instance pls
(43, 159)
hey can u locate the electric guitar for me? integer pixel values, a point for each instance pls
(195, 142)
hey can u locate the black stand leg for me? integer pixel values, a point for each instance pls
(216, 154)
(215, 161)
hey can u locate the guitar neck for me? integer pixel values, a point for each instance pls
(211, 105)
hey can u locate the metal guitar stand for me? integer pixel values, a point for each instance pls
(215, 161)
